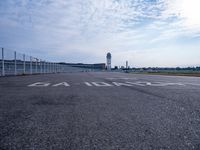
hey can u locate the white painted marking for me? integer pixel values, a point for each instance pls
(166, 84)
(154, 84)
(148, 83)
(118, 84)
(121, 78)
(101, 84)
(128, 78)
(39, 84)
(61, 84)
(121, 84)
(193, 84)
(88, 84)
(136, 83)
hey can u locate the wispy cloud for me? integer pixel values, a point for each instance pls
(72, 30)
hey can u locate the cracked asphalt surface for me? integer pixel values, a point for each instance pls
(81, 117)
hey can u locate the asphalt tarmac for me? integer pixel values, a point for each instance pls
(99, 111)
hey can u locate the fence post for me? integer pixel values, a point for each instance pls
(49, 67)
(3, 67)
(40, 66)
(54, 67)
(44, 67)
(59, 68)
(46, 64)
(36, 67)
(24, 64)
(31, 71)
(15, 57)
(43, 71)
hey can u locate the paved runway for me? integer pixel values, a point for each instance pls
(99, 111)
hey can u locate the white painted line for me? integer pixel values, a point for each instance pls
(136, 83)
(121, 84)
(61, 84)
(39, 84)
(118, 84)
(193, 84)
(101, 84)
(121, 78)
(166, 84)
(88, 84)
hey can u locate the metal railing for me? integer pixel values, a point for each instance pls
(13, 63)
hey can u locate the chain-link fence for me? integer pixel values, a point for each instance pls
(13, 63)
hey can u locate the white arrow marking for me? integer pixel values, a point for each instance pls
(88, 84)
(101, 84)
(39, 84)
(121, 84)
(61, 84)
(136, 83)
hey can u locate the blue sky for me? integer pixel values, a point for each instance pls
(163, 33)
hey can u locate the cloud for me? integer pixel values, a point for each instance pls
(90, 28)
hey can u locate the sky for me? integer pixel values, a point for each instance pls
(146, 33)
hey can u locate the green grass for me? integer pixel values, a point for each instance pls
(171, 73)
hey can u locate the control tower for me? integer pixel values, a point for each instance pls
(108, 57)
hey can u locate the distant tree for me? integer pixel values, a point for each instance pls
(198, 68)
(178, 68)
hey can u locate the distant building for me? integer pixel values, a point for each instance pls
(100, 66)
(126, 64)
(108, 57)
